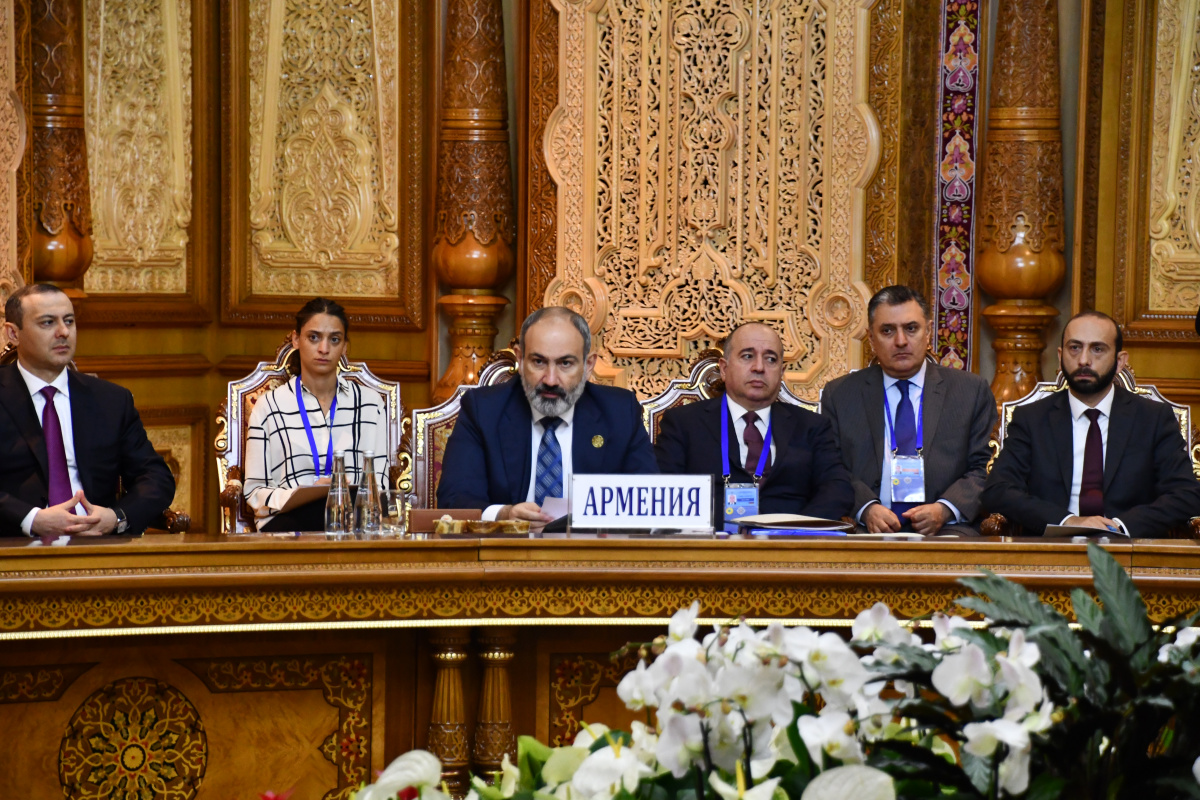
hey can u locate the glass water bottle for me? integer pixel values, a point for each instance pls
(338, 520)
(367, 514)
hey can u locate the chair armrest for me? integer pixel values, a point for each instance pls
(995, 525)
(173, 521)
(231, 493)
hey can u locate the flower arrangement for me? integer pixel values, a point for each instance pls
(1025, 705)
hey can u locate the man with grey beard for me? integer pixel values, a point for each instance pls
(518, 443)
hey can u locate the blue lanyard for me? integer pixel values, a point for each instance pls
(312, 442)
(887, 409)
(766, 451)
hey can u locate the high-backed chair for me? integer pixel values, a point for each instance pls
(702, 383)
(171, 521)
(426, 437)
(233, 420)
(998, 525)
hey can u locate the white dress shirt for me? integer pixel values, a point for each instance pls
(564, 434)
(1080, 425)
(916, 396)
(739, 428)
(62, 404)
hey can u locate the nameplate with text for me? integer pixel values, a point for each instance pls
(641, 501)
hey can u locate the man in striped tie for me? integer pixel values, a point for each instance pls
(66, 439)
(516, 444)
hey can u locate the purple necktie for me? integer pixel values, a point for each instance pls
(1091, 486)
(754, 443)
(56, 452)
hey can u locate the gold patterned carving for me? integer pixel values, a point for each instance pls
(881, 258)
(449, 738)
(175, 441)
(345, 682)
(12, 147)
(1174, 269)
(541, 218)
(138, 113)
(39, 684)
(711, 158)
(324, 147)
(494, 737)
(576, 680)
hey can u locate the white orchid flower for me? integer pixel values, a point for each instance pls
(762, 791)
(799, 642)
(1023, 685)
(984, 737)
(681, 742)
(1021, 651)
(943, 632)
(1041, 720)
(588, 734)
(1184, 639)
(645, 741)
(433, 793)
(638, 689)
(877, 625)
(692, 686)
(830, 734)
(1196, 769)
(964, 676)
(509, 777)
(683, 623)
(756, 690)
(417, 769)
(855, 781)
(603, 773)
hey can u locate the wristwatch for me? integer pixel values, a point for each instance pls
(122, 521)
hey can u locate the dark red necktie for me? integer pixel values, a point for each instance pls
(754, 442)
(1091, 487)
(59, 489)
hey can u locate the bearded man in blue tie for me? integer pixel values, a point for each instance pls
(516, 444)
(67, 438)
(913, 434)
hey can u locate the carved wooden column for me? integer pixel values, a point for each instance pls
(1021, 248)
(448, 737)
(493, 727)
(473, 242)
(62, 234)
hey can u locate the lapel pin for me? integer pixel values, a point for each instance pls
(597, 441)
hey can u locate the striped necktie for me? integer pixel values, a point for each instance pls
(548, 481)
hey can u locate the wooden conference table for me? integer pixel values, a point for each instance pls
(221, 667)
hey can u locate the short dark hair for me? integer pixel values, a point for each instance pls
(1098, 315)
(561, 312)
(896, 295)
(740, 325)
(14, 312)
(321, 305)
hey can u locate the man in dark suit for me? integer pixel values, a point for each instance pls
(1096, 455)
(907, 406)
(801, 473)
(66, 438)
(516, 444)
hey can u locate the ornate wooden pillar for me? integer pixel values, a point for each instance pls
(1021, 248)
(473, 241)
(62, 232)
(493, 727)
(448, 736)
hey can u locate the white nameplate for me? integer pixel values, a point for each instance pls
(641, 501)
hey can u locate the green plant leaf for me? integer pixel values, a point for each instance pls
(1045, 787)
(979, 771)
(796, 780)
(531, 755)
(1125, 622)
(803, 760)
(1087, 612)
(1010, 602)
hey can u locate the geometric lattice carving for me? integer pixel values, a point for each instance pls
(138, 113)
(324, 147)
(1174, 269)
(711, 158)
(12, 145)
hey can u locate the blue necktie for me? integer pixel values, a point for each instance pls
(548, 479)
(906, 436)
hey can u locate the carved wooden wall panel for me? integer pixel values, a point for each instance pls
(711, 160)
(324, 149)
(180, 435)
(138, 111)
(12, 147)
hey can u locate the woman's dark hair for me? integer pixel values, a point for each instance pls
(320, 305)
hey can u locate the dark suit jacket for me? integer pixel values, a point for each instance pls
(489, 457)
(806, 475)
(1148, 480)
(958, 415)
(110, 445)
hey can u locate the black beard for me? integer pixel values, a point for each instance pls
(556, 407)
(1089, 384)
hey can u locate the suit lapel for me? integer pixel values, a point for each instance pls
(872, 399)
(516, 422)
(1061, 429)
(783, 426)
(585, 456)
(81, 430)
(1120, 428)
(932, 403)
(16, 401)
